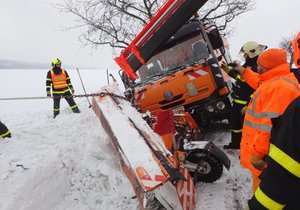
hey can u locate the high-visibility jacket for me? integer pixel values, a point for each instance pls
(280, 181)
(59, 81)
(58, 90)
(276, 89)
(296, 50)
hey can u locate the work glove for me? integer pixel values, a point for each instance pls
(258, 163)
(72, 91)
(48, 94)
(225, 67)
(243, 110)
(237, 67)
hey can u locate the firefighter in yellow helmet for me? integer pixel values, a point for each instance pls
(59, 80)
(242, 92)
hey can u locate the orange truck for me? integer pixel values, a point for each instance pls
(183, 74)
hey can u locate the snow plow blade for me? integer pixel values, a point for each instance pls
(142, 154)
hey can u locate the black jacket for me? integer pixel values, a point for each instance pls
(280, 181)
(241, 90)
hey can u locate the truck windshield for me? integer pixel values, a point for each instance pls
(180, 55)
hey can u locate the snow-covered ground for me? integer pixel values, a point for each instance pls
(68, 162)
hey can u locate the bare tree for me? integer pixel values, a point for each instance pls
(117, 22)
(286, 43)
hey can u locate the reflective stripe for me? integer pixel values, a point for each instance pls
(291, 82)
(48, 86)
(56, 110)
(266, 201)
(284, 160)
(59, 81)
(236, 131)
(238, 77)
(48, 79)
(60, 92)
(73, 107)
(263, 127)
(255, 96)
(240, 101)
(5, 134)
(263, 114)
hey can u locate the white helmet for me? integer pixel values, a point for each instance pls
(252, 49)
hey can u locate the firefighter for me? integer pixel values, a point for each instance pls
(275, 88)
(241, 92)
(280, 181)
(296, 56)
(62, 87)
(4, 132)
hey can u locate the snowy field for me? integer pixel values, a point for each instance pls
(68, 162)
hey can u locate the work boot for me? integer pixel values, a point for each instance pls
(231, 145)
(76, 110)
(54, 115)
(7, 136)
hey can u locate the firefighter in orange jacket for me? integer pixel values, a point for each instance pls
(280, 181)
(275, 88)
(4, 132)
(296, 56)
(61, 84)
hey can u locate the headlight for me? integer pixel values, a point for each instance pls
(220, 105)
(210, 108)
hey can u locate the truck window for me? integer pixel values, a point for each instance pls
(183, 54)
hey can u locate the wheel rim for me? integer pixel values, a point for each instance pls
(204, 167)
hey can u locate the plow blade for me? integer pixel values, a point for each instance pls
(142, 154)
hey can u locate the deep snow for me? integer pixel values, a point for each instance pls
(69, 163)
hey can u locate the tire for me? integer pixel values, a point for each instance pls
(211, 168)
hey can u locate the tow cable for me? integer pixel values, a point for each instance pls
(101, 94)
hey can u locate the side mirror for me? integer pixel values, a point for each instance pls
(215, 39)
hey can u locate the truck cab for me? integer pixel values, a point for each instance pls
(185, 75)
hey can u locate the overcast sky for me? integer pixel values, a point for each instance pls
(30, 31)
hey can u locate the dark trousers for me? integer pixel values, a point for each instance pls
(4, 132)
(236, 123)
(56, 102)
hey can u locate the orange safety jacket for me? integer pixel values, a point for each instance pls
(276, 89)
(59, 81)
(296, 50)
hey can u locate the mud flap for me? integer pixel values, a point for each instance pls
(216, 151)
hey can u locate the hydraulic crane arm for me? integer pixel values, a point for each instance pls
(168, 19)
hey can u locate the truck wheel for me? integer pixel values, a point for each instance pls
(210, 168)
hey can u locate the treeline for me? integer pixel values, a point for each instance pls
(12, 64)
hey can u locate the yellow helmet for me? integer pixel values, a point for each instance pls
(55, 61)
(252, 49)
